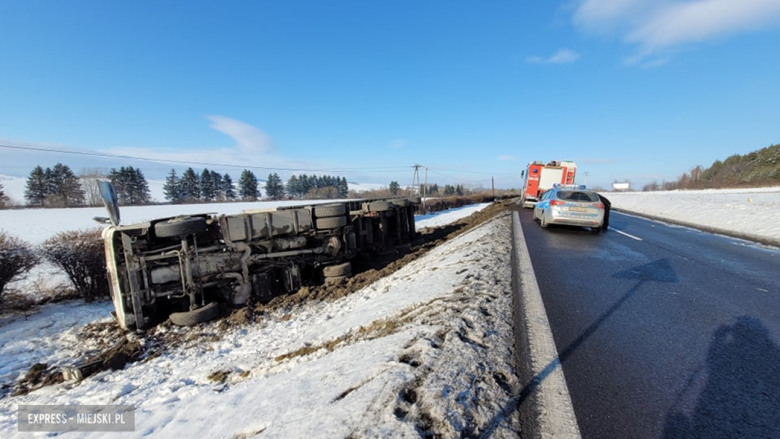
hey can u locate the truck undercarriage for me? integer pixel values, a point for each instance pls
(186, 267)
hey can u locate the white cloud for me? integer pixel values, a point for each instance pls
(563, 56)
(656, 25)
(249, 139)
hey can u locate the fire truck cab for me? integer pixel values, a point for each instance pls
(539, 177)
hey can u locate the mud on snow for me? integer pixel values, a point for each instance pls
(418, 343)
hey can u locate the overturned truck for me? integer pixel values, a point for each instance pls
(185, 267)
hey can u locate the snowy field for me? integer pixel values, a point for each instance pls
(426, 348)
(752, 213)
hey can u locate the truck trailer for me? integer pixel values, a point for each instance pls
(186, 267)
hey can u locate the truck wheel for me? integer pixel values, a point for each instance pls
(379, 206)
(192, 318)
(180, 227)
(329, 210)
(331, 223)
(337, 270)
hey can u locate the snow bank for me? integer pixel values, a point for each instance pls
(743, 211)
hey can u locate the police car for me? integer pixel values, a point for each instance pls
(570, 205)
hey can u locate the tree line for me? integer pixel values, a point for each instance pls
(755, 169)
(58, 186)
(433, 189)
(313, 186)
(207, 186)
(211, 186)
(54, 187)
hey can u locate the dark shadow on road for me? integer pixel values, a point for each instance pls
(656, 271)
(741, 397)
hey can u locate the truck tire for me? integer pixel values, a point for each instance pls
(379, 206)
(329, 210)
(331, 223)
(337, 270)
(192, 318)
(180, 227)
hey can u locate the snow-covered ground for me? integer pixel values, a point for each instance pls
(751, 213)
(427, 348)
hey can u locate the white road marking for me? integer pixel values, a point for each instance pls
(626, 234)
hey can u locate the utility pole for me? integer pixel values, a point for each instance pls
(425, 190)
(416, 179)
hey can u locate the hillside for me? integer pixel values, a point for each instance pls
(756, 169)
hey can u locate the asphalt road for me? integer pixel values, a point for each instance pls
(662, 331)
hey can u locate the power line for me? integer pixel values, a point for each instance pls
(458, 178)
(473, 172)
(185, 162)
(378, 169)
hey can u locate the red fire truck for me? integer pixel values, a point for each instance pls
(538, 177)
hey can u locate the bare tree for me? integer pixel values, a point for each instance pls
(89, 182)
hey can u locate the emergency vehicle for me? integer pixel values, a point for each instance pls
(539, 177)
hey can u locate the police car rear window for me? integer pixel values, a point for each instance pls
(578, 196)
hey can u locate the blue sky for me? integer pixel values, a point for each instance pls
(636, 90)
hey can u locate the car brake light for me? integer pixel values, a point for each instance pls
(599, 205)
(557, 203)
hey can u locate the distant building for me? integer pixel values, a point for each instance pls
(618, 187)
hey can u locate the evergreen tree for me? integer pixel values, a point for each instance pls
(208, 191)
(65, 187)
(394, 186)
(459, 190)
(247, 186)
(305, 184)
(53, 183)
(449, 190)
(139, 187)
(36, 189)
(3, 197)
(274, 188)
(219, 190)
(228, 187)
(119, 180)
(189, 186)
(130, 185)
(171, 188)
(343, 188)
(293, 187)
